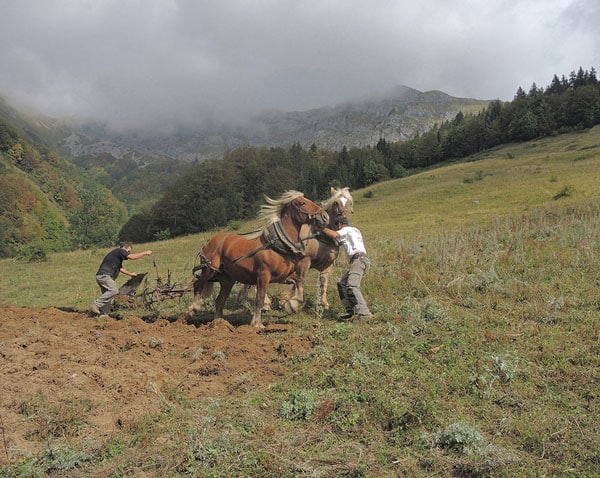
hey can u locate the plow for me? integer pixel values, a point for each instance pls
(142, 291)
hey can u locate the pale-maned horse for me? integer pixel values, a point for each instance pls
(270, 254)
(320, 251)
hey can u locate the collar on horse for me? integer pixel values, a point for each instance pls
(275, 238)
(278, 240)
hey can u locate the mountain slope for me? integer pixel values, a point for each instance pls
(397, 115)
(401, 114)
(46, 203)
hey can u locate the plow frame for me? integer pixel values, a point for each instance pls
(153, 291)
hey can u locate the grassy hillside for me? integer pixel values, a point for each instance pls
(483, 356)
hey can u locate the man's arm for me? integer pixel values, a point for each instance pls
(330, 232)
(127, 273)
(133, 257)
(138, 255)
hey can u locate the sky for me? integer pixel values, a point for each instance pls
(144, 63)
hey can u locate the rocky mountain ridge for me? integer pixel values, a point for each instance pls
(397, 115)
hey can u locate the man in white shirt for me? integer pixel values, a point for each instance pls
(349, 285)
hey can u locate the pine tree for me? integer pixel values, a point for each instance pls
(556, 87)
(520, 94)
(534, 91)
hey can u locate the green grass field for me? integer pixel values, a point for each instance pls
(484, 355)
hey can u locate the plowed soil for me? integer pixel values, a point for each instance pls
(122, 368)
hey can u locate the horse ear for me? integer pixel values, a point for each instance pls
(332, 190)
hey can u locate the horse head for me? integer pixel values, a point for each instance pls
(339, 204)
(293, 205)
(308, 212)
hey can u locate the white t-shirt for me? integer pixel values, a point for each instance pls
(352, 240)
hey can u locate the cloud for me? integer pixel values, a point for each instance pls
(151, 62)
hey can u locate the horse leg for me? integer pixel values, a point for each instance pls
(243, 295)
(226, 286)
(296, 298)
(261, 292)
(267, 305)
(324, 283)
(289, 302)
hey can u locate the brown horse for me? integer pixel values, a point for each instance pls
(320, 252)
(270, 254)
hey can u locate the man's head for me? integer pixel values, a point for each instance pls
(127, 246)
(341, 222)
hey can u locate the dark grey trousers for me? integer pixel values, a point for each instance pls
(109, 289)
(349, 286)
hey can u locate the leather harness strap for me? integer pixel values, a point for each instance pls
(275, 238)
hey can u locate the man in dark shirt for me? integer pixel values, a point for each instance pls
(107, 274)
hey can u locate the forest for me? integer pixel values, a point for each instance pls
(47, 204)
(219, 192)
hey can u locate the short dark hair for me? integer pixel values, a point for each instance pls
(341, 220)
(123, 245)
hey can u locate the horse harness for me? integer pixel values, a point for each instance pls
(275, 238)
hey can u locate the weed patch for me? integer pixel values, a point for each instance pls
(55, 419)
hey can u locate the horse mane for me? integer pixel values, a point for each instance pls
(337, 193)
(270, 213)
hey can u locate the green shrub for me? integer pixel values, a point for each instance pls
(434, 311)
(565, 192)
(501, 370)
(459, 437)
(162, 235)
(62, 458)
(32, 253)
(299, 405)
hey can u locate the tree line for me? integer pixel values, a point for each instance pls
(218, 192)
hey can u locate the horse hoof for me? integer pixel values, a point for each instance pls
(192, 310)
(291, 306)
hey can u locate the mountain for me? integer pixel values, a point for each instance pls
(399, 114)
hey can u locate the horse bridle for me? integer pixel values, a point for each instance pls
(311, 215)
